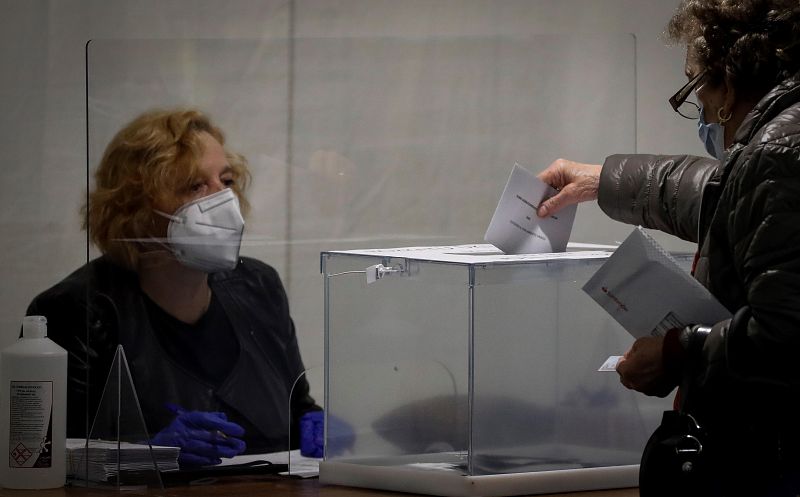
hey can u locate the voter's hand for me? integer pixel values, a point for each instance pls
(642, 368)
(576, 182)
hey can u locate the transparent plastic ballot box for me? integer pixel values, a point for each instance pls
(462, 371)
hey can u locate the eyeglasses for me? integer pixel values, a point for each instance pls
(687, 108)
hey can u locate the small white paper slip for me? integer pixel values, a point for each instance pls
(610, 364)
(516, 229)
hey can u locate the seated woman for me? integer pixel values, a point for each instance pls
(207, 334)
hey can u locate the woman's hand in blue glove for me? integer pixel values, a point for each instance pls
(204, 437)
(312, 434)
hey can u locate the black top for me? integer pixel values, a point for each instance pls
(208, 348)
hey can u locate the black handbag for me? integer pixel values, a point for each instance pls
(675, 460)
(750, 452)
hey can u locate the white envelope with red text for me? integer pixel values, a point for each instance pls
(646, 291)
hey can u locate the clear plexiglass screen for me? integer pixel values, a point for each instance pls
(378, 142)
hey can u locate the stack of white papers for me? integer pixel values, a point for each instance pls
(106, 459)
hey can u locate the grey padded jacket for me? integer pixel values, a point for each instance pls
(744, 213)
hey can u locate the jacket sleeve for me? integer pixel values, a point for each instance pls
(656, 191)
(301, 399)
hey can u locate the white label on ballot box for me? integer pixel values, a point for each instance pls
(515, 227)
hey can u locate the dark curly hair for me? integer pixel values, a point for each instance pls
(751, 44)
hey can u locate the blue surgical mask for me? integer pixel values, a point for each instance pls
(712, 135)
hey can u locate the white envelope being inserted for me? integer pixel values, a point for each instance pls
(516, 229)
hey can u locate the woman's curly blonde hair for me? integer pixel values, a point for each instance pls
(147, 163)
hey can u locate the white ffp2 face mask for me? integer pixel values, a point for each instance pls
(206, 233)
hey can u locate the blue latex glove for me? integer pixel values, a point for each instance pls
(204, 437)
(312, 434)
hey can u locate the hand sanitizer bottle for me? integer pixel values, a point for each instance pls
(33, 408)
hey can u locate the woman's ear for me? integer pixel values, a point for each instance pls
(726, 110)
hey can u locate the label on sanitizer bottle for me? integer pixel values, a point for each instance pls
(30, 424)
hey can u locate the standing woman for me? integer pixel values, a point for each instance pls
(207, 334)
(738, 377)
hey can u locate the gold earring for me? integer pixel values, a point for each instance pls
(723, 120)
